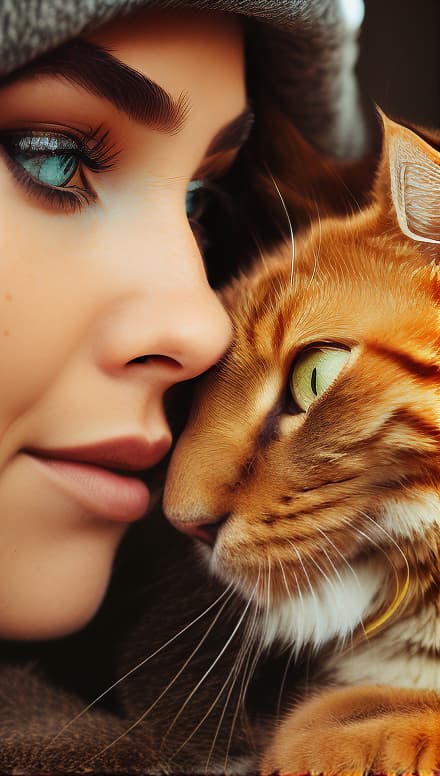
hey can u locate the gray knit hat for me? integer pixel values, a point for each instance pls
(311, 44)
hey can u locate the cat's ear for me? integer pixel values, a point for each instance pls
(414, 170)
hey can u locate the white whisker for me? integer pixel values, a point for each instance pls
(350, 568)
(136, 668)
(253, 631)
(316, 256)
(356, 578)
(312, 592)
(401, 592)
(247, 674)
(388, 535)
(142, 717)
(235, 672)
(205, 675)
(292, 651)
(329, 581)
(268, 587)
(289, 593)
(292, 237)
(370, 539)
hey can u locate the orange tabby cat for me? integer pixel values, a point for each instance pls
(310, 469)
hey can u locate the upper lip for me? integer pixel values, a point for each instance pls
(126, 453)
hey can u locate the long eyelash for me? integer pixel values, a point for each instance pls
(102, 156)
(94, 152)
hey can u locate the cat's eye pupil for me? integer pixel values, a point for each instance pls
(313, 382)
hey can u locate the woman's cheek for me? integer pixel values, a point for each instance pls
(40, 301)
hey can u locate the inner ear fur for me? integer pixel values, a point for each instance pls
(413, 161)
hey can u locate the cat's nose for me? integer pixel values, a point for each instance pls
(206, 532)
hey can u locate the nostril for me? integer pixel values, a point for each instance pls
(206, 532)
(154, 358)
(139, 360)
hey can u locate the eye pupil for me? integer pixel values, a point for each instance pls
(313, 382)
(68, 164)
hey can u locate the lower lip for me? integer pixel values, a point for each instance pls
(106, 494)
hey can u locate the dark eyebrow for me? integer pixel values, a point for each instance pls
(234, 134)
(93, 68)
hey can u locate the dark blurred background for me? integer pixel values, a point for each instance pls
(399, 63)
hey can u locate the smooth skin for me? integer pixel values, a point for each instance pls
(84, 293)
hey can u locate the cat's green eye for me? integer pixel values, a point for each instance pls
(314, 371)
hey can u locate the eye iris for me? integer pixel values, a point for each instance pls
(314, 372)
(51, 169)
(192, 199)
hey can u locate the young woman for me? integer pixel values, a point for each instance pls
(127, 156)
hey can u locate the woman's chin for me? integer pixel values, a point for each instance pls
(55, 558)
(57, 597)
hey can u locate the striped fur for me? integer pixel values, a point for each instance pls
(327, 514)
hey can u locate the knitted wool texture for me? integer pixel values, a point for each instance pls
(311, 45)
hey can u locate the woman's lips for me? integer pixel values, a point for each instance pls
(107, 494)
(103, 492)
(92, 474)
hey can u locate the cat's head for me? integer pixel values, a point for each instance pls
(310, 465)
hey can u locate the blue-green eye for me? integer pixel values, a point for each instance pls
(52, 167)
(51, 170)
(52, 161)
(195, 199)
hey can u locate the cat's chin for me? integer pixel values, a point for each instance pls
(330, 609)
(333, 610)
(205, 553)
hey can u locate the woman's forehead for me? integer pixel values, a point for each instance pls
(205, 44)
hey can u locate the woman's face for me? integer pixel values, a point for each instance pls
(104, 302)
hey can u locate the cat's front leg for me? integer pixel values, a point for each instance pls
(357, 729)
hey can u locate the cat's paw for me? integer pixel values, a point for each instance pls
(359, 729)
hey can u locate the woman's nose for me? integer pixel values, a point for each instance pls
(185, 333)
(166, 315)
